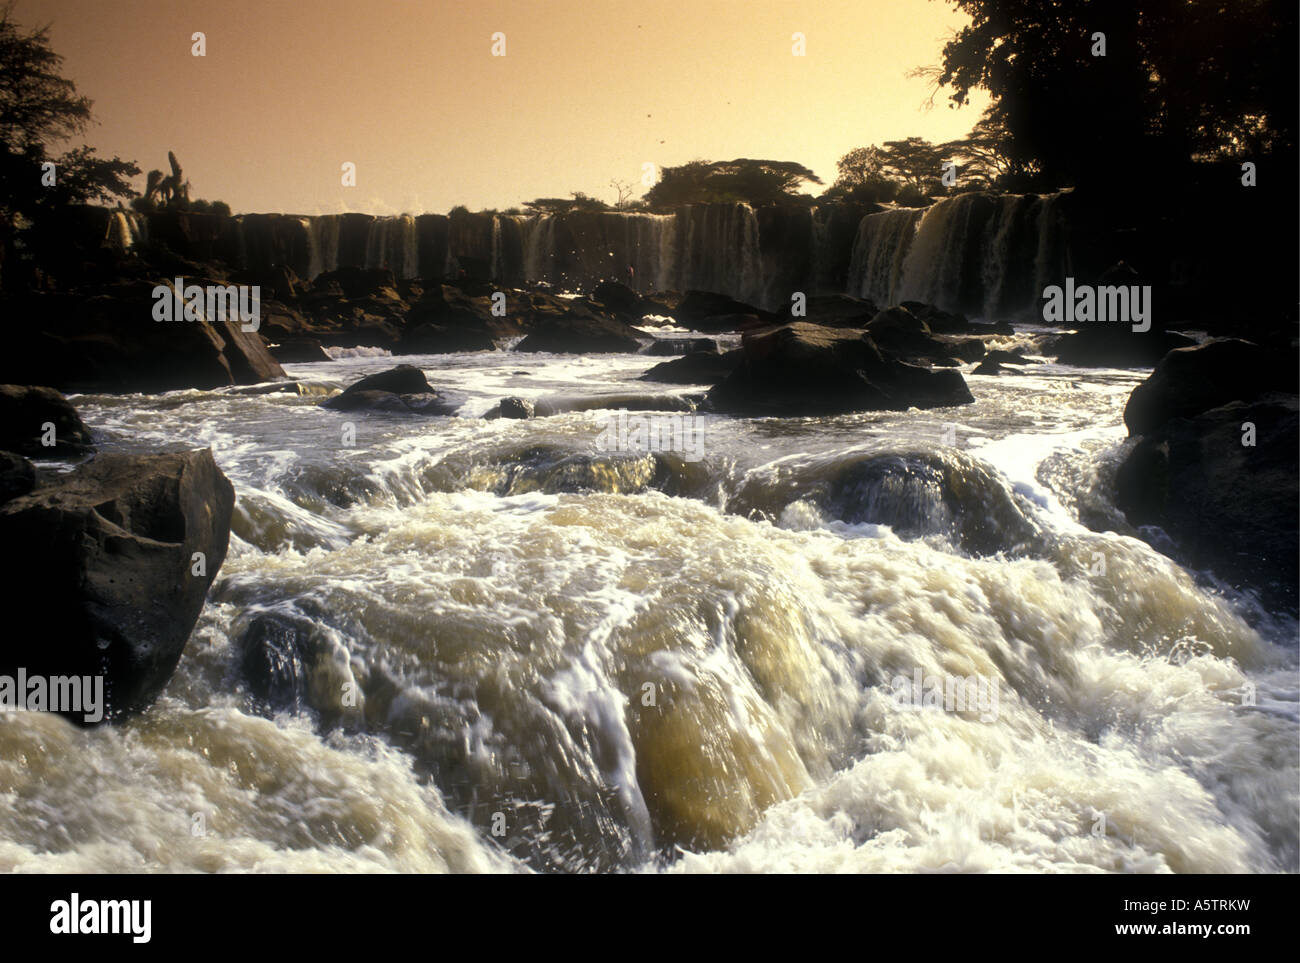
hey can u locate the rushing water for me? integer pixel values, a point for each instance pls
(565, 658)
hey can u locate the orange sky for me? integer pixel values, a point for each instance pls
(408, 90)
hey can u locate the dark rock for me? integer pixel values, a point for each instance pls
(299, 352)
(440, 339)
(574, 335)
(109, 570)
(998, 356)
(1226, 506)
(805, 369)
(355, 282)
(1189, 381)
(512, 408)
(619, 298)
(897, 331)
(671, 346)
(110, 342)
(559, 404)
(706, 311)
(17, 476)
(1118, 346)
(25, 410)
(402, 390)
(833, 311)
(697, 368)
(278, 653)
(940, 321)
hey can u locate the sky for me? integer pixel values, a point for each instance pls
(588, 91)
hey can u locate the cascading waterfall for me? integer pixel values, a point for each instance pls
(979, 254)
(391, 243)
(971, 253)
(323, 243)
(879, 250)
(126, 229)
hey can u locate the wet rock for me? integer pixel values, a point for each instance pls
(116, 560)
(512, 408)
(696, 368)
(707, 311)
(576, 335)
(1226, 506)
(110, 342)
(1117, 346)
(671, 346)
(899, 332)
(401, 390)
(443, 339)
(305, 351)
(17, 475)
(1189, 381)
(833, 311)
(805, 369)
(30, 414)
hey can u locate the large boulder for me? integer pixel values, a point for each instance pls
(806, 369)
(707, 311)
(575, 335)
(1117, 346)
(899, 332)
(113, 562)
(444, 339)
(1224, 505)
(402, 390)
(696, 368)
(110, 342)
(619, 298)
(833, 311)
(1189, 381)
(17, 475)
(25, 413)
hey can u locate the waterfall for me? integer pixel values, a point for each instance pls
(980, 254)
(881, 245)
(720, 252)
(323, 244)
(539, 246)
(126, 229)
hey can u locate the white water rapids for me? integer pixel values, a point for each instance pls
(506, 598)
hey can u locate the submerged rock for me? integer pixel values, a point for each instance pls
(30, 415)
(116, 560)
(512, 408)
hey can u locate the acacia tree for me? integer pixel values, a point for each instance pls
(743, 180)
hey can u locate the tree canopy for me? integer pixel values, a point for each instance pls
(1179, 81)
(755, 182)
(39, 108)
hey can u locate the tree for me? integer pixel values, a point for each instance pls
(1179, 81)
(38, 108)
(754, 182)
(862, 178)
